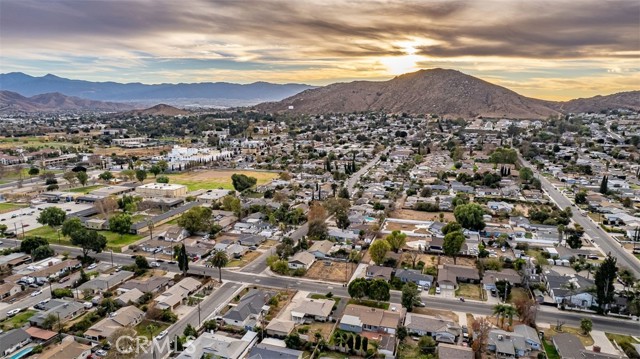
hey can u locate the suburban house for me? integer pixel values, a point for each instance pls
(106, 282)
(13, 340)
(570, 346)
(64, 309)
(379, 272)
(302, 260)
(449, 275)
(9, 289)
(151, 285)
(312, 309)
(570, 290)
(451, 351)
(175, 234)
(321, 249)
(268, 351)
(67, 349)
(442, 330)
(130, 296)
(357, 318)
(414, 276)
(507, 344)
(216, 345)
(248, 312)
(279, 328)
(124, 317)
(491, 277)
(174, 296)
(251, 240)
(530, 336)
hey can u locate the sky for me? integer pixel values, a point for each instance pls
(553, 49)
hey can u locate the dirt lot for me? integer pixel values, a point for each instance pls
(336, 272)
(246, 259)
(436, 312)
(421, 216)
(323, 328)
(147, 151)
(432, 260)
(211, 179)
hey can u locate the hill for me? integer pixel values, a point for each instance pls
(435, 91)
(625, 100)
(159, 110)
(204, 94)
(54, 102)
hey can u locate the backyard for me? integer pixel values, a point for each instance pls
(214, 179)
(114, 241)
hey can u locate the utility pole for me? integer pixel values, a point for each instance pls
(112, 258)
(199, 320)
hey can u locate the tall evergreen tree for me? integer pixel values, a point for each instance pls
(604, 278)
(183, 260)
(604, 185)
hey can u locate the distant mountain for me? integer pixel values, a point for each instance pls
(11, 102)
(436, 91)
(221, 92)
(159, 110)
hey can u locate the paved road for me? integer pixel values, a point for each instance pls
(351, 182)
(599, 236)
(545, 314)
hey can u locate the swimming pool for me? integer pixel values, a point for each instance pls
(22, 352)
(369, 219)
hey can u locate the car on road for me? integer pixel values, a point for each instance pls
(36, 293)
(421, 304)
(593, 256)
(13, 312)
(160, 260)
(172, 262)
(161, 335)
(92, 266)
(155, 264)
(64, 279)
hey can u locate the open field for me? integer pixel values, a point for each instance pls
(32, 142)
(113, 239)
(246, 259)
(422, 216)
(8, 207)
(432, 260)
(215, 179)
(336, 272)
(86, 189)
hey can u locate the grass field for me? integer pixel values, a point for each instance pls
(86, 189)
(32, 142)
(8, 207)
(113, 239)
(214, 179)
(17, 321)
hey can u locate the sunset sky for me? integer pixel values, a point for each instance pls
(546, 49)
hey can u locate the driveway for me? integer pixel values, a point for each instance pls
(603, 342)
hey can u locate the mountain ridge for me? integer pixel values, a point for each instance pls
(12, 102)
(439, 91)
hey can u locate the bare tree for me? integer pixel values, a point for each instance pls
(413, 256)
(481, 328)
(106, 206)
(124, 344)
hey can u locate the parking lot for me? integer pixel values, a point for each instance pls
(25, 219)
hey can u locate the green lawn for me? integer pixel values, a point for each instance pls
(17, 321)
(552, 353)
(370, 303)
(143, 328)
(114, 241)
(86, 189)
(8, 207)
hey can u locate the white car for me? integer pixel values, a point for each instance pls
(101, 353)
(36, 293)
(161, 335)
(503, 249)
(155, 264)
(13, 312)
(438, 290)
(92, 266)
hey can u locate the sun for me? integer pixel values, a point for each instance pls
(397, 65)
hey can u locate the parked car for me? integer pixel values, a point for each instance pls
(438, 290)
(13, 312)
(161, 335)
(155, 264)
(36, 293)
(65, 279)
(92, 266)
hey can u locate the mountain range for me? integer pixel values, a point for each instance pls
(11, 102)
(442, 92)
(183, 94)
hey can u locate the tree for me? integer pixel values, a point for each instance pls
(29, 244)
(71, 225)
(452, 245)
(402, 333)
(106, 206)
(344, 193)
(232, 203)
(125, 341)
(318, 230)
(334, 188)
(70, 177)
(51, 322)
(451, 227)
(120, 223)
(163, 165)
(190, 331)
(141, 175)
(604, 185)
(162, 179)
(106, 176)
(604, 279)
(470, 216)
(509, 312)
(242, 182)
(410, 295)
(378, 251)
(427, 344)
(481, 328)
(195, 220)
(499, 311)
(379, 290)
(358, 288)
(526, 309)
(155, 170)
(88, 240)
(82, 177)
(52, 217)
(42, 252)
(342, 220)
(142, 263)
(183, 260)
(396, 240)
(586, 325)
(33, 171)
(219, 260)
(526, 174)
(581, 197)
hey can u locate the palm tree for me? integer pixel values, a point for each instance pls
(499, 311)
(219, 260)
(509, 312)
(334, 187)
(571, 287)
